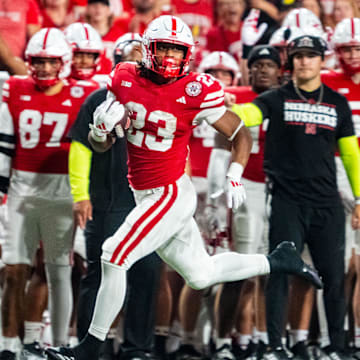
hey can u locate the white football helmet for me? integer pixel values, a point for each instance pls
(304, 19)
(49, 43)
(84, 38)
(167, 29)
(220, 60)
(124, 45)
(347, 33)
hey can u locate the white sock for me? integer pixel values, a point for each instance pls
(298, 336)
(61, 301)
(33, 331)
(243, 340)
(263, 336)
(232, 266)
(222, 341)
(109, 300)
(357, 337)
(11, 343)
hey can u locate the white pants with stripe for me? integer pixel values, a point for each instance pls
(163, 221)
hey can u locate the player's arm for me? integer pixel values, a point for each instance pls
(350, 156)
(79, 174)
(232, 127)
(7, 147)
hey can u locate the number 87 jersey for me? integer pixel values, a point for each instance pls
(34, 126)
(162, 118)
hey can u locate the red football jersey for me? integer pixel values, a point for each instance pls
(343, 84)
(42, 122)
(254, 169)
(162, 119)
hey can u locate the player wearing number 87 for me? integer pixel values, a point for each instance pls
(36, 114)
(165, 102)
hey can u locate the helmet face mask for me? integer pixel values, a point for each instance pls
(45, 70)
(172, 32)
(165, 65)
(48, 43)
(84, 39)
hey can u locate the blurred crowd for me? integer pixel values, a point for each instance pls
(186, 323)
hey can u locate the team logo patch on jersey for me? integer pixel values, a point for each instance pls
(126, 83)
(193, 88)
(77, 92)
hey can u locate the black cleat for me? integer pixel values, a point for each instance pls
(286, 259)
(60, 353)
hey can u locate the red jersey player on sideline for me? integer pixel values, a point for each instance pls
(36, 114)
(165, 102)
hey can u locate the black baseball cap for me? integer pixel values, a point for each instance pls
(264, 52)
(105, 2)
(311, 43)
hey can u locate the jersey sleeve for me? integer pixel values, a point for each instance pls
(210, 101)
(7, 139)
(346, 125)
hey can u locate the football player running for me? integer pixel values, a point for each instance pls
(165, 102)
(36, 114)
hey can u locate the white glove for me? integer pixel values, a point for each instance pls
(107, 116)
(235, 189)
(251, 32)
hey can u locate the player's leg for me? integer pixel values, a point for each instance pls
(244, 345)
(36, 301)
(287, 221)
(189, 309)
(300, 311)
(326, 241)
(18, 251)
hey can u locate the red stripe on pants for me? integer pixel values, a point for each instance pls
(138, 223)
(150, 225)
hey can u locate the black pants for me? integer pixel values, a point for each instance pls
(143, 280)
(323, 230)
